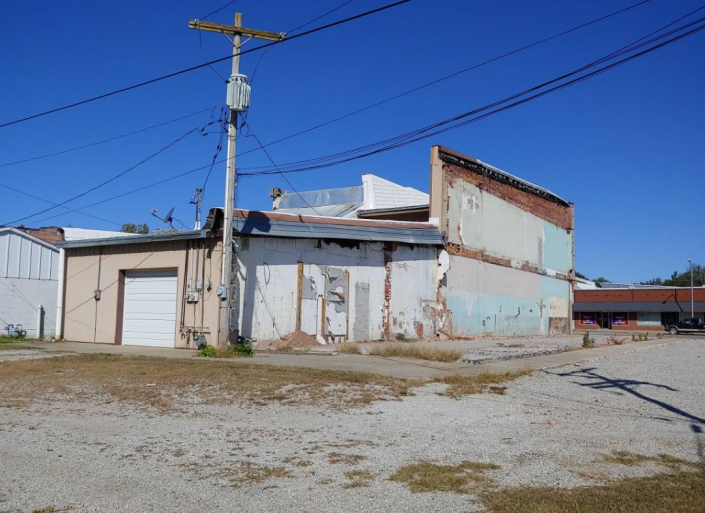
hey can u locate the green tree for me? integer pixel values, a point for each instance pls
(581, 276)
(142, 229)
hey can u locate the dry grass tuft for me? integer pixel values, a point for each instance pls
(358, 478)
(349, 348)
(165, 384)
(462, 384)
(682, 492)
(417, 351)
(336, 458)
(467, 477)
(238, 474)
(632, 459)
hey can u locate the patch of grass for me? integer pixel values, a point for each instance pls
(419, 352)
(588, 342)
(237, 474)
(400, 337)
(358, 478)
(632, 459)
(337, 458)
(165, 383)
(232, 351)
(681, 492)
(466, 477)
(462, 384)
(349, 348)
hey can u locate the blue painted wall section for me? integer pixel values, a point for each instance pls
(557, 248)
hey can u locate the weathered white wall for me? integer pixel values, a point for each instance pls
(482, 221)
(269, 285)
(27, 279)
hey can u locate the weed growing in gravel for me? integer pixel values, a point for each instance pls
(420, 352)
(233, 351)
(467, 477)
(681, 492)
(349, 348)
(588, 342)
(336, 458)
(462, 384)
(358, 478)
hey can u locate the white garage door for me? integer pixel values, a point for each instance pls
(150, 309)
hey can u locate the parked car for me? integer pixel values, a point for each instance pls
(691, 325)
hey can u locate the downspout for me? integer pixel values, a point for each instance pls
(59, 335)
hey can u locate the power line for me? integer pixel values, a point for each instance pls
(109, 180)
(218, 10)
(282, 174)
(396, 141)
(199, 66)
(219, 148)
(122, 136)
(254, 71)
(453, 75)
(424, 133)
(68, 210)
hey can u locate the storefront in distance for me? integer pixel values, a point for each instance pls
(635, 308)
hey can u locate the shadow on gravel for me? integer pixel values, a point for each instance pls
(628, 386)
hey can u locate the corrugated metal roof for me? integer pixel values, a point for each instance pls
(135, 239)
(638, 306)
(307, 230)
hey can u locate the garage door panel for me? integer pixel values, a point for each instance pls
(150, 308)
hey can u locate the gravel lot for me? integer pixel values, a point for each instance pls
(549, 429)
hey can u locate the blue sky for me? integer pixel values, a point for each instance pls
(625, 147)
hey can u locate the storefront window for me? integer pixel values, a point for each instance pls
(648, 319)
(587, 319)
(620, 319)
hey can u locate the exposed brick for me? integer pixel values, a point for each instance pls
(547, 210)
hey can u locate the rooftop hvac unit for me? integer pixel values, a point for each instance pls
(238, 93)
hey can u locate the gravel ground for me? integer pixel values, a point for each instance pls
(549, 429)
(7, 355)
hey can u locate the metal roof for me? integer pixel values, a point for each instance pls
(309, 227)
(638, 306)
(393, 209)
(135, 239)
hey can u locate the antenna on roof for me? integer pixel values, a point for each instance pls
(197, 199)
(168, 219)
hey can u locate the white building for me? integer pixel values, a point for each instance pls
(29, 276)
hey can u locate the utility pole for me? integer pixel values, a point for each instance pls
(692, 302)
(238, 101)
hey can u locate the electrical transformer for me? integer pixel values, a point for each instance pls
(238, 93)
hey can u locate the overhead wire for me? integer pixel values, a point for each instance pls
(110, 139)
(451, 75)
(199, 66)
(416, 135)
(252, 134)
(408, 137)
(68, 210)
(254, 71)
(109, 180)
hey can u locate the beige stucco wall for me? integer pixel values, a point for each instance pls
(90, 320)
